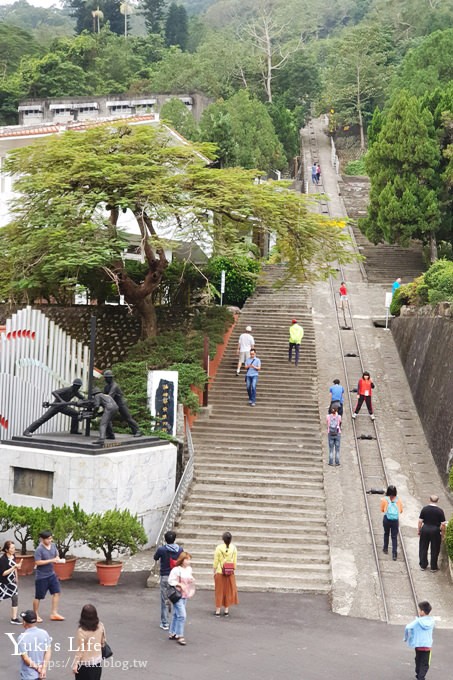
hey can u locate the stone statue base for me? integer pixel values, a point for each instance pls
(79, 443)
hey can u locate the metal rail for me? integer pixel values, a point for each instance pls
(350, 330)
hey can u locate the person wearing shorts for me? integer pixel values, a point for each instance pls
(46, 579)
(245, 344)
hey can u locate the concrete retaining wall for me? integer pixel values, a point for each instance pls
(425, 345)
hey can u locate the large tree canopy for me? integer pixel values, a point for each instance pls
(60, 234)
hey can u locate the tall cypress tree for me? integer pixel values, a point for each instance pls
(403, 165)
(176, 26)
(154, 13)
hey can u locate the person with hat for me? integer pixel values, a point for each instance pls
(46, 555)
(110, 409)
(296, 333)
(246, 343)
(35, 648)
(60, 405)
(112, 388)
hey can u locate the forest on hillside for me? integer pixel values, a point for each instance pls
(382, 68)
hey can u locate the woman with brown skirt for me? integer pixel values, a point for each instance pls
(225, 560)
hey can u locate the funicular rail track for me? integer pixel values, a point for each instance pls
(395, 584)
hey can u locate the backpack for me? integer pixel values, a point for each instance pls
(392, 510)
(334, 424)
(171, 561)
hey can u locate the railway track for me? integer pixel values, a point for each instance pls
(397, 594)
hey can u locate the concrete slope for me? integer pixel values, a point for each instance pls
(258, 471)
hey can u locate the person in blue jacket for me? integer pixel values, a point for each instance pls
(167, 554)
(336, 396)
(419, 636)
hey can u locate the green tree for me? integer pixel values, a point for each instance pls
(403, 167)
(64, 182)
(154, 13)
(176, 26)
(358, 71)
(177, 114)
(15, 43)
(82, 11)
(287, 129)
(254, 143)
(428, 65)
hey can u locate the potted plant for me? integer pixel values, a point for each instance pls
(68, 525)
(114, 532)
(24, 522)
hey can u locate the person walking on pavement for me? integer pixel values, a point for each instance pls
(392, 508)
(296, 333)
(253, 367)
(90, 639)
(313, 173)
(167, 555)
(334, 435)
(245, 344)
(336, 396)
(182, 579)
(8, 578)
(364, 391)
(419, 636)
(46, 555)
(318, 173)
(113, 390)
(35, 648)
(225, 562)
(431, 529)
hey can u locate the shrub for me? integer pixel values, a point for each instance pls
(241, 276)
(115, 531)
(449, 532)
(414, 293)
(439, 279)
(356, 167)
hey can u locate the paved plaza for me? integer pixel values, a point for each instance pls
(269, 636)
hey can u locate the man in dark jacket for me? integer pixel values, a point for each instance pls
(60, 405)
(113, 390)
(167, 554)
(431, 529)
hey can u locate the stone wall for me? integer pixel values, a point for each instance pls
(425, 345)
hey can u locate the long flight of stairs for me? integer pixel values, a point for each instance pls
(258, 471)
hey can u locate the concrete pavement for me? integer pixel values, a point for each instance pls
(268, 637)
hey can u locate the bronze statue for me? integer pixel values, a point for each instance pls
(63, 398)
(113, 390)
(110, 410)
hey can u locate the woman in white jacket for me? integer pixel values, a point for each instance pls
(181, 578)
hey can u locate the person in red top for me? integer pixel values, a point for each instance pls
(364, 390)
(343, 290)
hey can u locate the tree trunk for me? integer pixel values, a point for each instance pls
(433, 247)
(148, 316)
(359, 111)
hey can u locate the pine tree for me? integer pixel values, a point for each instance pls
(403, 165)
(176, 26)
(154, 13)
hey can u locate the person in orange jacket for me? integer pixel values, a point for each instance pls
(364, 391)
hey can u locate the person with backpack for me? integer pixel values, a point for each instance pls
(392, 508)
(364, 390)
(225, 562)
(168, 555)
(334, 435)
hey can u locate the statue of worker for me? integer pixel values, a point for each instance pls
(63, 398)
(113, 390)
(110, 409)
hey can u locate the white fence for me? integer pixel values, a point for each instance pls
(36, 357)
(334, 158)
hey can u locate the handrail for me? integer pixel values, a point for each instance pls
(174, 510)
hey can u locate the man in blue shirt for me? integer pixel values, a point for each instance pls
(34, 646)
(336, 396)
(253, 367)
(167, 554)
(46, 579)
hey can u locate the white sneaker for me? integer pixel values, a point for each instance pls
(354, 416)
(372, 416)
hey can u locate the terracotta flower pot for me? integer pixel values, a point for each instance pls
(65, 570)
(28, 564)
(108, 574)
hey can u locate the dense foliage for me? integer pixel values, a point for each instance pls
(435, 285)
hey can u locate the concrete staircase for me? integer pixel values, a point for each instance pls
(258, 471)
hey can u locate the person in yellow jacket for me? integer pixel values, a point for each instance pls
(296, 333)
(225, 561)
